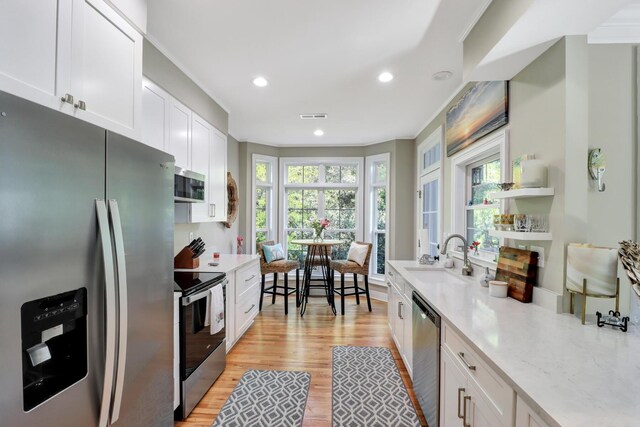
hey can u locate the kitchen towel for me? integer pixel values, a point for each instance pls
(215, 309)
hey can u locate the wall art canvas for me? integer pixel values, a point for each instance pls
(481, 110)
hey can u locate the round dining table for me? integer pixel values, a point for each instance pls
(318, 254)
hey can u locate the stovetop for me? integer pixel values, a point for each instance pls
(189, 282)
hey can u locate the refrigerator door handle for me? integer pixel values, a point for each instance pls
(110, 311)
(122, 307)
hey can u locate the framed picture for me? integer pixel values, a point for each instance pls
(481, 110)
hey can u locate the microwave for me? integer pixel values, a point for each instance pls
(188, 186)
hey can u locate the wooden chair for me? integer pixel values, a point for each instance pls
(345, 266)
(275, 267)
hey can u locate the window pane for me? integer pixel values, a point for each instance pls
(340, 208)
(332, 174)
(294, 174)
(380, 172)
(310, 174)
(381, 208)
(261, 236)
(479, 222)
(380, 246)
(348, 174)
(483, 180)
(262, 172)
(340, 251)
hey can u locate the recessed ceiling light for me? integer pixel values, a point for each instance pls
(385, 77)
(442, 75)
(318, 132)
(260, 81)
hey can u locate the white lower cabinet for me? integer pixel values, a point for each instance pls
(400, 318)
(487, 399)
(526, 417)
(243, 293)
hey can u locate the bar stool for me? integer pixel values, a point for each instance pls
(275, 267)
(344, 267)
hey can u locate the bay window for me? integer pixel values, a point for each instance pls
(321, 188)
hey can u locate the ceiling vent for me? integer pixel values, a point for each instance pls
(315, 116)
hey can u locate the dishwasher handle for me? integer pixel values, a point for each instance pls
(426, 309)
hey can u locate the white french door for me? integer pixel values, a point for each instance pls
(429, 209)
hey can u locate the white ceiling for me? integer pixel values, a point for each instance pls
(319, 57)
(537, 29)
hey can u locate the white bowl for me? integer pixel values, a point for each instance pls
(498, 289)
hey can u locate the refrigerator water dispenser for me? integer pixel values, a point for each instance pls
(54, 345)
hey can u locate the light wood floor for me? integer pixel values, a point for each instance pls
(280, 342)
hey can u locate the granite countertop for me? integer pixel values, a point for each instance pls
(571, 374)
(228, 262)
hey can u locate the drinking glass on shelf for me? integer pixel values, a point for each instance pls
(522, 222)
(539, 223)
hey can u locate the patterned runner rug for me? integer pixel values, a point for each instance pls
(266, 399)
(368, 391)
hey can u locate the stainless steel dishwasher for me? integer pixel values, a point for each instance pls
(426, 359)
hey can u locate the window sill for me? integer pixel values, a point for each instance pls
(477, 260)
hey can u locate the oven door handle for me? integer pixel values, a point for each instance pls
(193, 298)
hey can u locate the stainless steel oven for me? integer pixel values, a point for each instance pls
(202, 354)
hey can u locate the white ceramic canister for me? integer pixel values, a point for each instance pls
(534, 174)
(498, 289)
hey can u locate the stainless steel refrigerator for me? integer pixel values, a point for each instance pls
(86, 256)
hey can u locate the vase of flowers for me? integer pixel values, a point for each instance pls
(319, 225)
(239, 248)
(474, 247)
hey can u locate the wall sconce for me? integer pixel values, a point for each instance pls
(597, 167)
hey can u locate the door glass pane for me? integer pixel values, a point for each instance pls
(430, 206)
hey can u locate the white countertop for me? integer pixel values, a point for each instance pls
(577, 375)
(228, 263)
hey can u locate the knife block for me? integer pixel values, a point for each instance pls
(185, 259)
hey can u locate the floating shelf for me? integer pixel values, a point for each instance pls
(522, 193)
(520, 235)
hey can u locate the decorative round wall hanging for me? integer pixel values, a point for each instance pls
(233, 199)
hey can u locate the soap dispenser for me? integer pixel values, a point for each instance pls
(486, 278)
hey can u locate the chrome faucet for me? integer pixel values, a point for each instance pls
(466, 267)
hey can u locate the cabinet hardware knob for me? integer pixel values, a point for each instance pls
(68, 98)
(81, 105)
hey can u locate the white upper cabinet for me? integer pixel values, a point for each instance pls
(155, 116)
(106, 67)
(201, 137)
(28, 43)
(180, 134)
(218, 176)
(79, 50)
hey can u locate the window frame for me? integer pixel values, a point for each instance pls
(272, 189)
(468, 195)
(371, 219)
(496, 143)
(285, 162)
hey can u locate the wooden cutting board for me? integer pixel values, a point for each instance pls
(520, 270)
